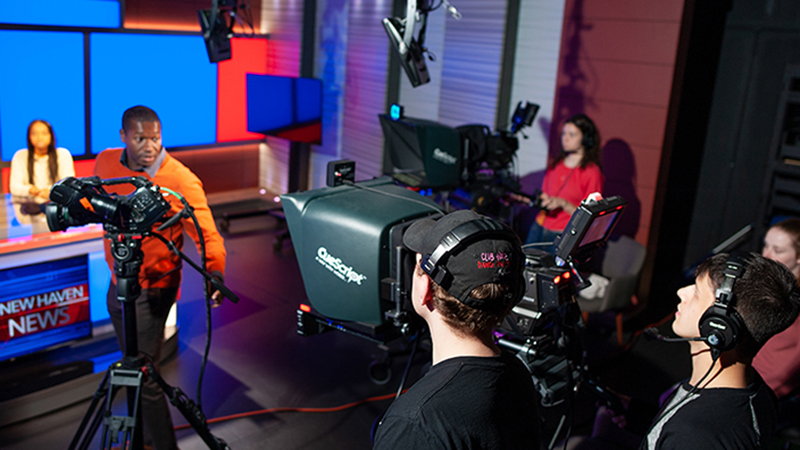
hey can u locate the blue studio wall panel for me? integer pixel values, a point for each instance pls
(168, 73)
(69, 13)
(43, 79)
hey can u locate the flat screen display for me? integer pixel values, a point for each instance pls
(285, 107)
(599, 228)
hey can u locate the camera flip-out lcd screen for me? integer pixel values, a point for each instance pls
(588, 228)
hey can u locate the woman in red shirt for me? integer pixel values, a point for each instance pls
(570, 178)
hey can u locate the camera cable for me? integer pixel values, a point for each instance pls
(293, 409)
(188, 212)
(695, 390)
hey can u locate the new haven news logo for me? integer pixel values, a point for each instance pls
(36, 313)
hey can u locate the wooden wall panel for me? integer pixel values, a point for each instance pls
(635, 10)
(633, 82)
(617, 63)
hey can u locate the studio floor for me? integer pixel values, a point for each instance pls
(258, 362)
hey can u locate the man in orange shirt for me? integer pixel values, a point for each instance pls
(160, 274)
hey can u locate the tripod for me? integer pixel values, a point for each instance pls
(131, 371)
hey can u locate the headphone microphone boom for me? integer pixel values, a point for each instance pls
(653, 334)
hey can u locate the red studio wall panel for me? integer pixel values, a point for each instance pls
(249, 56)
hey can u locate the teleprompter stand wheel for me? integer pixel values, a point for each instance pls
(380, 371)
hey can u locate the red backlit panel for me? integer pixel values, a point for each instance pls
(248, 56)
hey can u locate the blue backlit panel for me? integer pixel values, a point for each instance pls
(170, 74)
(309, 99)
(42, 78)
(285, 107)
(72, 13)
(270, 102)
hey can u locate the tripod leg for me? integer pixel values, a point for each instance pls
(190, 411)
(98, 395)
(98, 419)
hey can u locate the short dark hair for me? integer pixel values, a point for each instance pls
(138, 113)
(464, 319)
(766, 296)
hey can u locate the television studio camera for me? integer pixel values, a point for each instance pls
(357, 273)
(127, 219)
(471, 164)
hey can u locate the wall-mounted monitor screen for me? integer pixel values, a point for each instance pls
(285, 107)
(176, 81)
(55, 93)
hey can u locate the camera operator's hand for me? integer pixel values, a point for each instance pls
(216, 296)
(520, 198)
(552, 203)
(216, 299)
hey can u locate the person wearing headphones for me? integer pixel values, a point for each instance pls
(468, 276)
(571, 177)
(733, 308)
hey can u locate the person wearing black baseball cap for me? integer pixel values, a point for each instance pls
(469, 275)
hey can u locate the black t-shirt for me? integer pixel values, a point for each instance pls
(465, 403)
(715, 418)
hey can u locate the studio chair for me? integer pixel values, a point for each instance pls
(621, 264)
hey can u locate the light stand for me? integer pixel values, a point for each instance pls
(131, 370)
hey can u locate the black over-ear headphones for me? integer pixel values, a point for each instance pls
(484, 228)
(721, 326)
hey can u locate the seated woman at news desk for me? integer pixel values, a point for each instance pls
(34, 170)
(571, 177)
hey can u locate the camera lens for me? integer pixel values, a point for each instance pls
(55, 217)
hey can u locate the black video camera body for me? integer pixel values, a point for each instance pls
(80, 201)
(551, 278)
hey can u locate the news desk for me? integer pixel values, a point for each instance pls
(53, 283)
(56, 340)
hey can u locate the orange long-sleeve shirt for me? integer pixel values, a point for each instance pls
(161, 267)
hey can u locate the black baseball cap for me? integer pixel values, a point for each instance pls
(489, 253)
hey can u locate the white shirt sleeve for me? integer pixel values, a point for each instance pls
(66, 168)
(18, 182)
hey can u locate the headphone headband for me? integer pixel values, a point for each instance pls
(721, 326)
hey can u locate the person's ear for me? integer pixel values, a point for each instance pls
(427, 293)
(122, 136)
(423, 286)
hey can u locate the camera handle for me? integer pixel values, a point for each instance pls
(131, 370)
(582, 282)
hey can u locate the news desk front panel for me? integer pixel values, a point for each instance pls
(52, 284)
